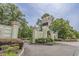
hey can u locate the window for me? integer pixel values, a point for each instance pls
(44, 24)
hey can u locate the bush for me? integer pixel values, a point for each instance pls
(9, 50)
(11, 42)
(44, 40)
(12, 49)
(49, 40)
(3, 47)
(9, 54)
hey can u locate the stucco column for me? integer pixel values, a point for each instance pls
(45, 29)
(15, 28)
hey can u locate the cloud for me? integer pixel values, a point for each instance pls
(74, 21)
(60, 10)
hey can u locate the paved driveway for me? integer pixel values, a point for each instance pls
(46, 50)
(76, 44)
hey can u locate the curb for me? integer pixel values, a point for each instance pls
(67, 44)
(21, 51)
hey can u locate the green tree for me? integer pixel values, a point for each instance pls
(10, 12)
(46, 15)
(63, 28)
(39, 21)
(25, 31)
(3, 13)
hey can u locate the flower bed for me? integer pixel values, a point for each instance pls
(10, 47)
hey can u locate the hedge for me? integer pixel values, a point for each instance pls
(44, 40)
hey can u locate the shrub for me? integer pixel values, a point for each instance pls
(41, 40)
(3, 47)
(12, 49)
(9, 54)
(9, 50)
(49, 40)
(44, 40)
(59, 39)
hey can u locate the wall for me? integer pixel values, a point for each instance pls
(43, 34)
(5, 31)
(37, 34)
(9, 31)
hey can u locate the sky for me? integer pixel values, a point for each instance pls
(68, 11)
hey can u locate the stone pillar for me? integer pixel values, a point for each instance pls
(15, 28)
(33, 40)
(56, 35)
(45, 29)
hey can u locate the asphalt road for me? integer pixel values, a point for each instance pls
(47, 50)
